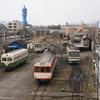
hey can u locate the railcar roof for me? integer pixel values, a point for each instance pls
(12, 53)
(40, 42)
(73, 48)
(48, 57)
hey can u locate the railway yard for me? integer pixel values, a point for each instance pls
(69, 82)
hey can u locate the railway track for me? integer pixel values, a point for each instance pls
(76, 82)
(33, 56)
(78, 88)
(2, 74)
(38, 93)
(77, 91)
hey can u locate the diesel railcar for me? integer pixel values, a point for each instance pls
(44, 67)
(13, 59)
(40, 46)
(73, 54)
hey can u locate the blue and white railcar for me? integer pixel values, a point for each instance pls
(40, 47)
(73, 54)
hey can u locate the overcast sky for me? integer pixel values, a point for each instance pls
(51, 12)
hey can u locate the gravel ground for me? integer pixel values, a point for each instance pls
(19, 83)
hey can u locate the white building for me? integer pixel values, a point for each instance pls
(58, 30)
(14, 26)
(63, 27)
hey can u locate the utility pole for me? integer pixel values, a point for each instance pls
(61, 49)
(4, 38)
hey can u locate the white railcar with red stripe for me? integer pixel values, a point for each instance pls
(44, 67)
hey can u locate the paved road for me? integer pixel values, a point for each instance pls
(17, 84)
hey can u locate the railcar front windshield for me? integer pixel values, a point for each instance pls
(74, 54)
(38, 45)
(9, 59)
(3, 59)
(42, 69)
(65, 39)
(6, 59)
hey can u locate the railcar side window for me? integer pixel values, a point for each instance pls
(9, 59)
(3, 59)
(47, 69)
(15, 58)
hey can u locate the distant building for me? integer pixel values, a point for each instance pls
(63, 27)
(42, 30)
(81, 41)
(58, 30)
(14, 26)
(84, 29)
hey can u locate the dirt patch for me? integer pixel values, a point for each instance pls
(40, 38)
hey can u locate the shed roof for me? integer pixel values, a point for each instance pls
(21, 42)
(81, 36)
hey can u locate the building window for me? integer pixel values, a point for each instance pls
(10, 26)
(14, 23)
(72, 29)
(15, 26)
(87, 28)
(77, 40)
(10, 29)
(10, 23)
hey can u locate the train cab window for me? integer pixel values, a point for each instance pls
(47, 69)
(9, 59)
(42, 69)
(3, 59)
(71, 54)
(37, 45)
(74, 54)
(37, 69)
(77, 54)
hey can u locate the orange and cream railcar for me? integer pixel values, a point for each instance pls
(44, 67)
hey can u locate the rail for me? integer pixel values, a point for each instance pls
(41, 88)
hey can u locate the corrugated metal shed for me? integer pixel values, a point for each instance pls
(21, 42)
(17, 44)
